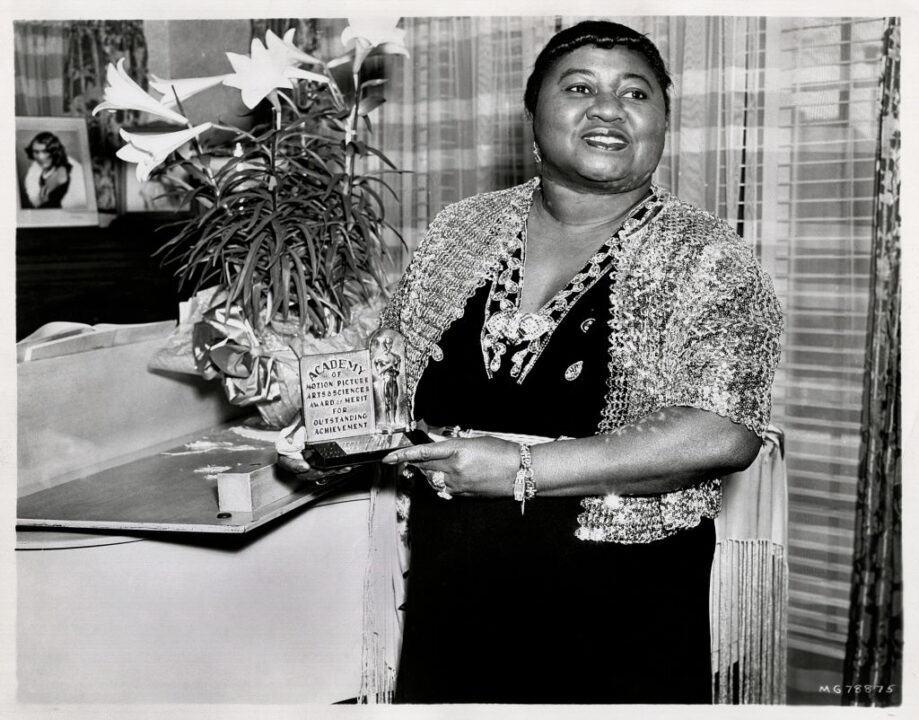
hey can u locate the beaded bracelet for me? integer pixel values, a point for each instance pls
(524, 485)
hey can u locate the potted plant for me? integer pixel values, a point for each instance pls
(285, 229)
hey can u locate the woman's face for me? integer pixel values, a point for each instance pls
(41, 155)
(600, 120)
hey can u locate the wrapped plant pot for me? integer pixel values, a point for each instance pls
(256, 368)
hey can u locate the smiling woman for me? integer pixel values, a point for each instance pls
(608, 352)
(590, 307)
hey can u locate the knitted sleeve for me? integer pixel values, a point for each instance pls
(723, 337)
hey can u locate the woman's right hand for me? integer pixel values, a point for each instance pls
(483, 466)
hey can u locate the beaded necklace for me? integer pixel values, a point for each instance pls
(506, 328)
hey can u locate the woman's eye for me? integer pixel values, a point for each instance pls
(636, 94)
(580, 89)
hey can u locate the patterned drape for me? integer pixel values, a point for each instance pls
(39, 66)
(92, 44)
(875, 644)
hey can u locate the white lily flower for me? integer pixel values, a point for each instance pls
(365, 34)
(150, 150)
(265, 70)
(183, 87)
(122, 93)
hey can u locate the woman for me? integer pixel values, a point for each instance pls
(53, 180)
(584, 304)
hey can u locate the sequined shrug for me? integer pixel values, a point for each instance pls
(693, 322)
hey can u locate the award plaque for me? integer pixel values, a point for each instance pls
(355, 405)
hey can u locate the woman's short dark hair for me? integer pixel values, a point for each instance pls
(54, 147)
(605, 35)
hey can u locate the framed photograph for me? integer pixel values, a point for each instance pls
(54, 172)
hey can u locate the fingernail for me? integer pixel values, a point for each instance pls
(390, 459)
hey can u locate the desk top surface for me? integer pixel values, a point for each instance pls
(173, 490)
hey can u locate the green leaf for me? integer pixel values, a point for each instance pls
(243, 284)
(303, 295)
(282, 289)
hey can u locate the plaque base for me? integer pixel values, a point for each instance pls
(360, 449)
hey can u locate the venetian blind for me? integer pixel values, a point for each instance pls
(808, 196)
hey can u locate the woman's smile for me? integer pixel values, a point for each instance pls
(606, 139)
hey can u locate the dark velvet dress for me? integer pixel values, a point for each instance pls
(504, 607)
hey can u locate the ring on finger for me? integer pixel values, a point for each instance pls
(438, 480)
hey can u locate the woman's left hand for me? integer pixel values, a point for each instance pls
(484, 466)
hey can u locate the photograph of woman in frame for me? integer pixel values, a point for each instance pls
(53, 168)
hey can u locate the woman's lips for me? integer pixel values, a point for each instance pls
(606, 140)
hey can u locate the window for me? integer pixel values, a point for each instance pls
(809, 193)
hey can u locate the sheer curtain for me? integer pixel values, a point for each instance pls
(453, 116)
(39, 65)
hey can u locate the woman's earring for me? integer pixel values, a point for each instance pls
(536, 153)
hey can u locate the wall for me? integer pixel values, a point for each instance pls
(197, 48)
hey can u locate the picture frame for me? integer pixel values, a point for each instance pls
(49, 193)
